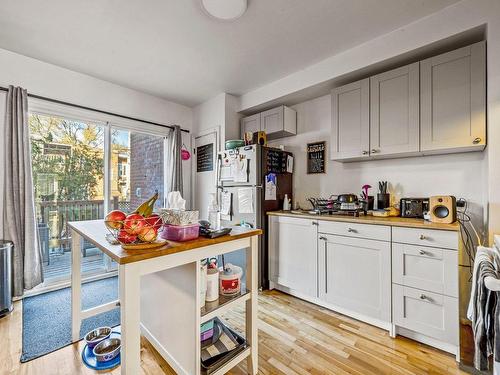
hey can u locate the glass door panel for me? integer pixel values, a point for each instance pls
(136, 170)
(68, 178)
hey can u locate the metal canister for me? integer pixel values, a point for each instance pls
(5, 277)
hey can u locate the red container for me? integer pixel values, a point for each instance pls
(180, 232)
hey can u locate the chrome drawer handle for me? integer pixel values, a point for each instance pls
(476, 140)
(422, 237)
(351, 230)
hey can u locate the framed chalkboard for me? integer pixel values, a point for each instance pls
(205, 158)
(316, 157)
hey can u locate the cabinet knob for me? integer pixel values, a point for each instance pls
(476, 140)
(351, 230)
(364, 152)
(422, 237)
(322, 238)
(374, 151)
(423, 297)
(422, 252)
(315, 223)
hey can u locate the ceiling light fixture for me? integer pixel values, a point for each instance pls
(226, 10)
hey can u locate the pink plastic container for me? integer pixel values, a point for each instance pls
(180, 232)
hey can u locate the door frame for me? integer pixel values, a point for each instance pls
(215, 130)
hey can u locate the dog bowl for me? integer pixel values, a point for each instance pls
(107, 350)
(97, 335)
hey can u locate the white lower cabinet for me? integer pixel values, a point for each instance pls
(292, 255)
(355, 275)
(427, 268)
(403, 279)
(431, 314)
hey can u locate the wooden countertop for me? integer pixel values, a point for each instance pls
(95, 232)
(369, 219)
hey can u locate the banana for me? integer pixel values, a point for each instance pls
(146, 208)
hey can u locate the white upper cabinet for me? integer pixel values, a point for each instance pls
(277, 122)
(394, 112)
(350, 138)
(452, 94)
(272, 120)
(435, 106)
(250, 124)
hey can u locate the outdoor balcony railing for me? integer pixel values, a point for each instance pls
(53, 217)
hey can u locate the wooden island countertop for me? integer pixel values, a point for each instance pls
(369, 219)
(96, 231)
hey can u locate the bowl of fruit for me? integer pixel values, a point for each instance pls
(138, 229)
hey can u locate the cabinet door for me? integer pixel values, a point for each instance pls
(355, 274)
(351, 121)
(272, 120)
(293, 254)
(426, 268)
(427, 313)
(250, 124)
(452, 94)
(394, 111)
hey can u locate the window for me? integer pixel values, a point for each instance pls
(78, 176)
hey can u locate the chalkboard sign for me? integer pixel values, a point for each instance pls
(316, 153)
(205, 158)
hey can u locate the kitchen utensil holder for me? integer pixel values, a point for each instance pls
(369, 202)
(383, 201)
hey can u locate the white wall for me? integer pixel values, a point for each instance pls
(58, 83)
(457, 174)
(218, 112)
(455, 19)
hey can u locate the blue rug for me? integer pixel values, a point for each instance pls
(47, 317)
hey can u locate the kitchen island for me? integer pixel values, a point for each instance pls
(159, 295)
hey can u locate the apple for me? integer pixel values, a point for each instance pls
(155, 221)
(147, 234)
(114, 220)
(134, 223)
(125, 237)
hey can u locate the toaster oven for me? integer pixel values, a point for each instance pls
(414, 207)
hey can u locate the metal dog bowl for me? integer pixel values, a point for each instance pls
(107, 350)
(97, 335)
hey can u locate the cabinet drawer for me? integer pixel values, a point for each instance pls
(427, 313)
(374, 232)
(426, 237)
(426, 268)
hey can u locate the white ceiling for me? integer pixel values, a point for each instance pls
(172, 49)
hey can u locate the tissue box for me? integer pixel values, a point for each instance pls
(179, 217)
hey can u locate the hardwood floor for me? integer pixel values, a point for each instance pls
(295, 337)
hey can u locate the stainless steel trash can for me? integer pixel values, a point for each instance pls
(5, 277)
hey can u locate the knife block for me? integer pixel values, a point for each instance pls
(383, 201)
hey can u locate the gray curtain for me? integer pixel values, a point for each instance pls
(18, 216)
(174, 161)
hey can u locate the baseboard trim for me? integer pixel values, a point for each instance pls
(351, 314)
(450, 348)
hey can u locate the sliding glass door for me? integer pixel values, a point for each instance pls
(68, 178)
(78, 175)
(136, 169)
